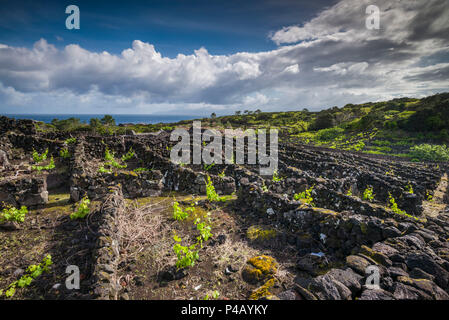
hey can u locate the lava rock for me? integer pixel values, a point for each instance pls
(376, 294)
(358, 264)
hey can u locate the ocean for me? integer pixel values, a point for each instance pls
(119, 118)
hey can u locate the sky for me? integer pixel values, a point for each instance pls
(202, 56)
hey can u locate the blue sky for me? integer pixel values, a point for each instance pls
(197, 57)
(181, 26)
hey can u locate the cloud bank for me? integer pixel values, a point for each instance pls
(330, 60)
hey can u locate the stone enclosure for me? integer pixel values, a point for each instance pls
(336, 238)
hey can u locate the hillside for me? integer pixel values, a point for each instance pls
(413, 128)
(394, 127)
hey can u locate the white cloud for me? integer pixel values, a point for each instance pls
(330, 60)
(256, 100)
(294, 69)
(344, 68)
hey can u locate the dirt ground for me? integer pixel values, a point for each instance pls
(148, 271)
(48, 230)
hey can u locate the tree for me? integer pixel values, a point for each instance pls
(323, 121)
(213, 115)
(108, 120)
(67, 124)
(95, 122)
(237, 113)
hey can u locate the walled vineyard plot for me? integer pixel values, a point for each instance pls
(265, 243)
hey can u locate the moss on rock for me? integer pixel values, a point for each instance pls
(259, 268)
(259, 233)
(263, 291)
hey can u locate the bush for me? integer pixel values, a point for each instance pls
(37, 158)
(368, 194)
(11, 213)
(205, 230)
(429, 152)
(64, 153)
(210, 191)
(186, 255)
(111, 162)
(323, 121)
(305, 197)
(32, 272)
(48, 167)
(70, 141)
(329, 134)
(129, 155)
(179, 213)
(83, 209)
(71, 124)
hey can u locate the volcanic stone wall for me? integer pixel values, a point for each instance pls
(24, 191)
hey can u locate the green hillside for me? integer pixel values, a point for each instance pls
(407, 127)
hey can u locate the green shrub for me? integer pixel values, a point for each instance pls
(71, 124)
(11, 213)
(210, 191)
(324, 120)
(82, 210)
(110, 160)
(32, 272)
(394, 207)
(186, 255)
(129, 155)
(276, 177)
(70, 140)
(48, 167)
(208, 167)
(368, 194)
(409, 188)
(305, 197)
(356, 146)
(179, 213)
(264, 187)
(37, 158)
(429, 152)
(102, 169)
(205, 230)
(64, 153)
(214, 295)
(329, 134)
